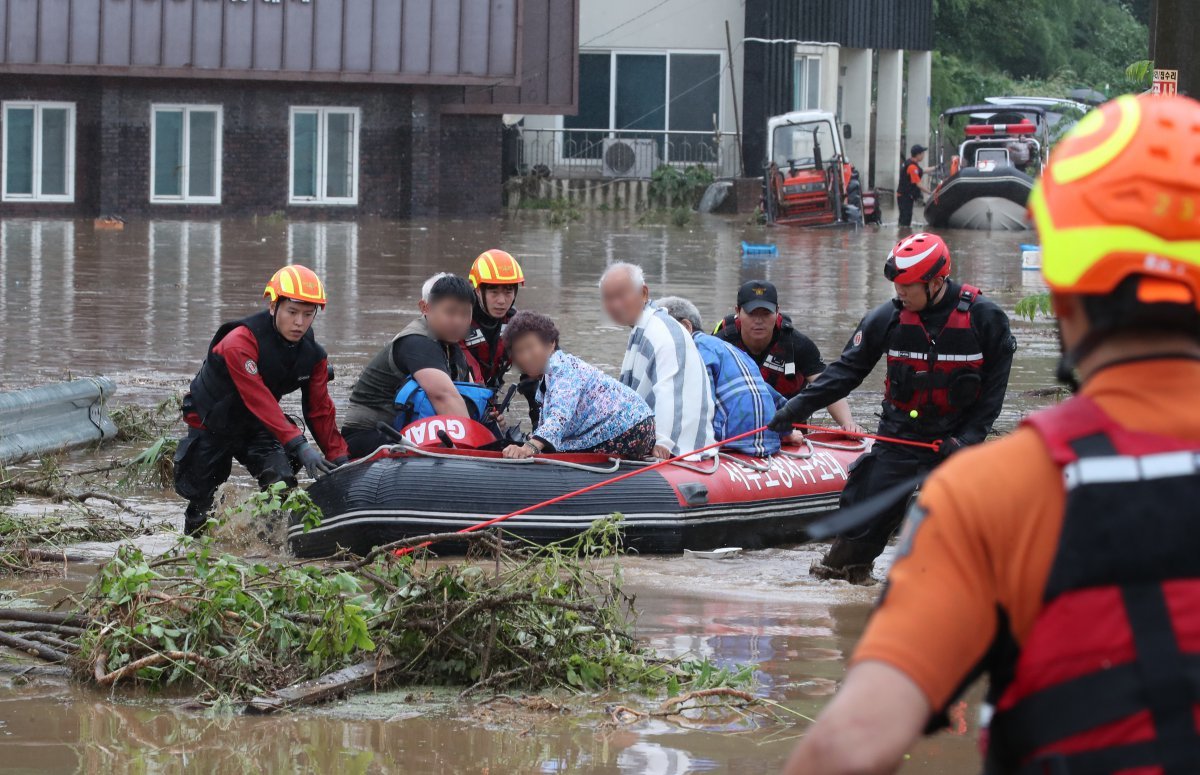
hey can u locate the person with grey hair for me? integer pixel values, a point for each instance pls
(742, 400)
(424, 356)
(661, 364)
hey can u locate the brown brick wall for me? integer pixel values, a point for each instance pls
(412, 159)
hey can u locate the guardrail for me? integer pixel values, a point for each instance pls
(50, 418)
(578, 153)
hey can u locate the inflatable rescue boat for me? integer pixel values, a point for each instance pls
(424, 485)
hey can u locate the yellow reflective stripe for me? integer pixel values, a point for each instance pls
(1069, 254)
(1072, 168)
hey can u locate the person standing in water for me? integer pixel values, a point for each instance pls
(1062, 559)
(949, 351)
(232, 408)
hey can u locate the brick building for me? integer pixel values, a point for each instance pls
(320, 108)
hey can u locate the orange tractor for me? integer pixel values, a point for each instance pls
(808, 181)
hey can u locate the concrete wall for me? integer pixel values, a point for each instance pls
(413, 160)
(696, 25)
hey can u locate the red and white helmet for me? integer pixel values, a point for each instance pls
(918, 259)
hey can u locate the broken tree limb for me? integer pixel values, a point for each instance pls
(59, 495)
(50, 555)
(32, 648)
(326, 687)
(154, 660)
(43, 617)
(672, 704)
(60, 629)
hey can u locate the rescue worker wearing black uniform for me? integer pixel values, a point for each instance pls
(911, 190)
(787, 359)
(232, 408)
(949, 352)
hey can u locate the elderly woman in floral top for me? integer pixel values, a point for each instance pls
(583, 409)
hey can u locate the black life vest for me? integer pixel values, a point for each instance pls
(906, 188)
(778, 363)
(938, 376)
(490, 362)
(1109, 678)
(284, 368)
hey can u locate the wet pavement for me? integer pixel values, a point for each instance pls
(140, 305)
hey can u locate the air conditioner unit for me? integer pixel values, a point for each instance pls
(634, 158)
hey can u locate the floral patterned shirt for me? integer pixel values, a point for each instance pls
(583, 407)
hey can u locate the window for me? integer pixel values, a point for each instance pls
(324, 156)
(671, 97)
(806, 83)
(39, 151)
(185, 154)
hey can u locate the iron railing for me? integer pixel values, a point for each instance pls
(578, 153)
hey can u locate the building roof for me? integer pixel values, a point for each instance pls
(523, 47)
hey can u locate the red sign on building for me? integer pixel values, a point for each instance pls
(1165, 82)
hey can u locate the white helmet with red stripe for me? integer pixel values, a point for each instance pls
(918, 259)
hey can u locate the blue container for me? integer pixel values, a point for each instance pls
(759, 250)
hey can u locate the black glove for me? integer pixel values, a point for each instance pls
(949, 446)
(312, 460)
(341, 461)
(789, 414)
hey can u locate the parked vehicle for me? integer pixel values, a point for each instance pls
(986, 184)
(808, 181)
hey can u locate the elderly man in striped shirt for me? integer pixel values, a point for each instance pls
(661, 364)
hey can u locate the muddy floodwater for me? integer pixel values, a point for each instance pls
(141, 304)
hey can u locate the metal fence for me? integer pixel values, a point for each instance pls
(579, 153)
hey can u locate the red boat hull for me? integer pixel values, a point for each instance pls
(733, 500)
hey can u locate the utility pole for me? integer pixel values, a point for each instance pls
(1174, 30)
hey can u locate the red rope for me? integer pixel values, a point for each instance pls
(933, 445)
(566, 496)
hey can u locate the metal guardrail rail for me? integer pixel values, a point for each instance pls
(50, 418)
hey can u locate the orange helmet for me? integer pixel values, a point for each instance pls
(1121, 197)
(495, 267)
(298, 283)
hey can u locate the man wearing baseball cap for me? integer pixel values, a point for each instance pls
(911, 189)
(788, 359)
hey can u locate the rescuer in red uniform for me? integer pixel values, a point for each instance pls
(949, 350)
(232, 408)
(1062, 560)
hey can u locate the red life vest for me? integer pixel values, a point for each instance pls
(490, 363)
(1109, 679)
(939, 376)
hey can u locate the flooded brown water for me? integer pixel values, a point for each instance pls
(140, 305)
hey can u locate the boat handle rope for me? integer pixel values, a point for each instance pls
(745, 463)
(612, 468)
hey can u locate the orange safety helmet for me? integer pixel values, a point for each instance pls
(298, 283)
(1121, 197)
(495, 267)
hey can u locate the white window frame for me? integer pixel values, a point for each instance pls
(37, 195)
(611, 130)
(187, 110)
(801, 89)
(322, 112)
